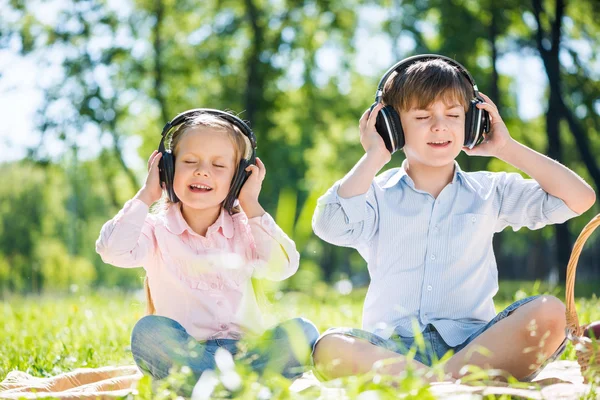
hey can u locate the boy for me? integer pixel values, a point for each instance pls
(426, 230)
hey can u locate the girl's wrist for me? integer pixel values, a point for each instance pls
(144, 196)
(252, 209)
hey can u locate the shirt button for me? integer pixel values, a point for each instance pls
(436, 229)
(213, 285)
(267, 223)
(224, 327)
(219, 303)
(474, 219)
(430, 288)
(432, 256)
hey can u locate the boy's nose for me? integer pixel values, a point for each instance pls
(439, 125)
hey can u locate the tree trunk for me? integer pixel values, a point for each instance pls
(495, 95)
(554, 114)
(159, 12)
(255, 81)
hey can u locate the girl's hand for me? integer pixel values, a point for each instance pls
(152, 190)
(248, 196)
(370, 140)
(496, 140)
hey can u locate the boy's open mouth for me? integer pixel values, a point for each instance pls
(199, 188)
(440, 143)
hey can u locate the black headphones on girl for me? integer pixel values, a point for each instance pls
(388, 125)
(166, 165)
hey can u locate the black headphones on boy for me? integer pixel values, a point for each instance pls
(166, 165)
(388, 125)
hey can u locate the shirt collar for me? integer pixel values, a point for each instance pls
(176, 224)
(401, 174)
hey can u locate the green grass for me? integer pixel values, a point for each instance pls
(50, 334)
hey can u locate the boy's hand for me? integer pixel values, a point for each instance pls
(248, 196)
(152, 190)
(369, 138)
(496, 140)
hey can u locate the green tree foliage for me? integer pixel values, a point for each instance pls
(291, 69)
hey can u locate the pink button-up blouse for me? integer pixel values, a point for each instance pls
(202, 282)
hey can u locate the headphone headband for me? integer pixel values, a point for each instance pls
(423, 57)
(180, 118)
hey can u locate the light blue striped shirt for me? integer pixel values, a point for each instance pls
(431, 260)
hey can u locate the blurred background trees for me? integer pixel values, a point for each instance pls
(302, 72)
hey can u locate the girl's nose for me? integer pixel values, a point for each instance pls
(201, 170)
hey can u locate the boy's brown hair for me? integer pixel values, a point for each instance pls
(424, 82)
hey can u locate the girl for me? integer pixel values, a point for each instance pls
(201, 249)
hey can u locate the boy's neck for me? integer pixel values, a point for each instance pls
(200, 220)
(430, 179)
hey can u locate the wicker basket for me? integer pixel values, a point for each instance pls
(586, 349)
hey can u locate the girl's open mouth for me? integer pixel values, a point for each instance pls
(200, 188)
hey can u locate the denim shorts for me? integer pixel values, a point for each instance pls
(434, 345)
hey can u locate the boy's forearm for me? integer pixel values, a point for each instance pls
(360, 177)
(553, 177)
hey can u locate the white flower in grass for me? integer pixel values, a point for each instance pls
(224, 360)
(205, 385)
(369, 395)
(344, 286)
(231, 380)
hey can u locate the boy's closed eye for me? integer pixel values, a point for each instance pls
(451, 111)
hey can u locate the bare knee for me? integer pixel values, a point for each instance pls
(338, 355)
(328, 351)
(545, 319)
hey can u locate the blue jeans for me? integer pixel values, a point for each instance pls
(160, 343)
(435, 346)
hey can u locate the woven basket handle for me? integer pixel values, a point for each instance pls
(572, 320)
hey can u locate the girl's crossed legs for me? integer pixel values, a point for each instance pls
(160, 343)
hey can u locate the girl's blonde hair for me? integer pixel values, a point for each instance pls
(150, 310)
(242, 149)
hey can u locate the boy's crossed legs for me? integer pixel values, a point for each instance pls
(519, 341)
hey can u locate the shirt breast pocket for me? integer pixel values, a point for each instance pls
(469, 234)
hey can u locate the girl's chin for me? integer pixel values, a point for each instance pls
(200, 204)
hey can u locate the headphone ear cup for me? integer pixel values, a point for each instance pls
(166, 170)
(389, 127)
(237, 182)
(473, 116)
